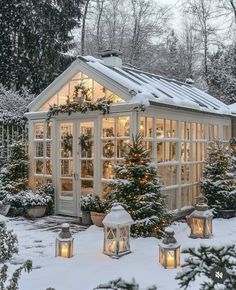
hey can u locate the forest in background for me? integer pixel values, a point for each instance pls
(39, 39)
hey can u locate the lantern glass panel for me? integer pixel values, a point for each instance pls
(177, 252)
(162, 256)
(170, 259)
(64, 248)
(208, 227)
(198, 226)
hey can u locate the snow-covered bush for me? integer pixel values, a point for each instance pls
(87, 203)
(120, 284)
(27, 198)
(95, 203)
(8, 244)
(47, 191)
(203, 262)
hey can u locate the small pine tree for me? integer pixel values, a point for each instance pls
(203, 262)
(137, 187)
(8, 244)
(14, 174)
(218, 182)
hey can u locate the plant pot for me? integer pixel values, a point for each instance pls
(36, 211)
(97, 218)
(86, 219)
(227, 213)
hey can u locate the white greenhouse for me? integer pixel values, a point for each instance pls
(176, 119)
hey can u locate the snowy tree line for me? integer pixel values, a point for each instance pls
(40, 38)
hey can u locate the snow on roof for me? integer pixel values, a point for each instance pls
(145, 87)
(117, 216)
(233, 108)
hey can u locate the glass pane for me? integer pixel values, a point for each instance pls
(142, 126)
(99, 91)
(87, 187)
(39, 130)
(108, 148)
(185, 174)
(48, 149)
(86, 139)
(38, 181)
(66, 140)
(48, 167)
(123, 126)
(148, 146)
(39, 167)
(39, 149)
(63, 94)
(122, 148)
(149, 129)
(160, 128)
(88, 84)
(66, 168)
(108, 170)
(185, 196)
(171, 151)
(113, 97)
(160, 152)
(185, 151)
(49, 130)
(108, 127)
(87, 168)
(66, 187)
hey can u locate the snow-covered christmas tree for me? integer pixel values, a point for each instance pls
(137, 187)
(14, 174)
(218, 182)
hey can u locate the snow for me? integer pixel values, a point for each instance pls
(117, 216)
(150, 87)
(90, 267)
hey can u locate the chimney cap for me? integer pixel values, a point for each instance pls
(110, 52)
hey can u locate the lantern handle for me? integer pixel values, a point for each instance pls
(201, 198)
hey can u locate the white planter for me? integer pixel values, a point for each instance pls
(36, 211)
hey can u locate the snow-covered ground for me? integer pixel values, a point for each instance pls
(89, 267)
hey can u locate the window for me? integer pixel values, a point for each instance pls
(42, 153)
(115, 140)
(94, 91)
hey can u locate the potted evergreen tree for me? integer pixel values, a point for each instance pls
(99, 211)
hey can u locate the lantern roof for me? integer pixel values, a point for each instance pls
(118, 216)
(169, 241)
(200, 213)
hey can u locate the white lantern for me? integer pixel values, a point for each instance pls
(117, 232)
(200, 220)
(64, 242)
(169, 250)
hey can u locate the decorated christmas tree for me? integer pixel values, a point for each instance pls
(137, 187)
(14, 174)
(218, 182)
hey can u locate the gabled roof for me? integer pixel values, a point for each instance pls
(137, 86)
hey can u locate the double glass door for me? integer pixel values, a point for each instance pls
(76, 164)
